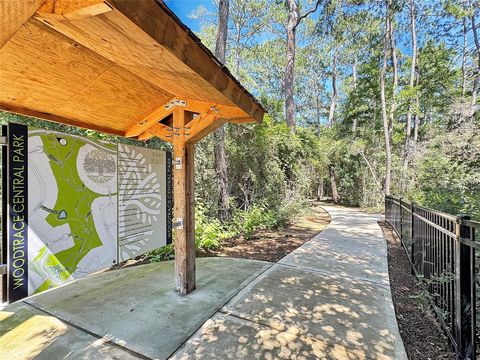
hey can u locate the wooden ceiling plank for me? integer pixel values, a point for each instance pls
(115, 37)
(13, 14)
(77, 84)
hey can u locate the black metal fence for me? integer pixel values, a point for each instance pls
(441, 249)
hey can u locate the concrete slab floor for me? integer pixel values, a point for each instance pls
(135, 308)
(27, 333)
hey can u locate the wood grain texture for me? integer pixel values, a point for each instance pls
(50, 73)
(112, 65)
(66, 6)
(115, 37)
(13, 14)
(202, 126)
(184, 207)
(161, 131)
(155, 21)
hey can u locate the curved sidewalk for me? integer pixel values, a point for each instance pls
(329, 299)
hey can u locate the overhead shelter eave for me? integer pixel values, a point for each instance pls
(115, 66)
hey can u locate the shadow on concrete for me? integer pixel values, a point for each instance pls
(130, 313)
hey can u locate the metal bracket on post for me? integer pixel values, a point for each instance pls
(178, 223)
(3, 140)
(178, 163)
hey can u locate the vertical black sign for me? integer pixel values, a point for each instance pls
(169, 173)
(17, 212)
(4, 213)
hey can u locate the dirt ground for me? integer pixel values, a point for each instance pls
(422, 336)
(272, 245)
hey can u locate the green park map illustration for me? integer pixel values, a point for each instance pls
(72, 207)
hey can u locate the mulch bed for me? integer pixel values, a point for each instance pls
(272, 245)
(422, 336)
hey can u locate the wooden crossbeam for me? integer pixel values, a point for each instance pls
(154, 117)
(161, 131)
(203, 108)
(224, 111)
(200, 127)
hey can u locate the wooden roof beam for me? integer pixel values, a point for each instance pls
(13, 14)
(59, 119)
(66, 7)
(200, 107)
(201, 126)
(154, 118)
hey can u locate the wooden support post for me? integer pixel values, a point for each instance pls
(184, 203)
(464, 290)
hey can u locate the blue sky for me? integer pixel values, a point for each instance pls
(183, 8)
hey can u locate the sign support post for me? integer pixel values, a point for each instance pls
(184, 205)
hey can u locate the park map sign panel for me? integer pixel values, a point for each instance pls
(78, 205)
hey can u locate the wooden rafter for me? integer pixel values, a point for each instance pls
(203, 108)
(200, 127)
(58, 119)
(161, 131)
(153, 118)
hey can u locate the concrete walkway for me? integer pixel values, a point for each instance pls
(329, 299)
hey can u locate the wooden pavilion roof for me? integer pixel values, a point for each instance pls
(116, 66)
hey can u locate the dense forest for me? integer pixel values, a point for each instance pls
(364, 98)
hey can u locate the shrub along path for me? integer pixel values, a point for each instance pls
(273, 245)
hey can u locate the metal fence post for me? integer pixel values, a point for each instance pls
(464, 290)
(412, 236)
(401, 220)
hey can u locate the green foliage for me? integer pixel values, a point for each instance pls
(257, 217)
(162, 254)
(208, 231)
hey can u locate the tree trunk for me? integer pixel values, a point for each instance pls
(386, 131)
(354, 74)
(333, 182)
(293, 18)
(393, 54)
(219, 134)
(320, 190)
(333, 100)
(408, 130)
(477, 47)
(464, 59)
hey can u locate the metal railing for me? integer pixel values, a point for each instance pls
(441, 249)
